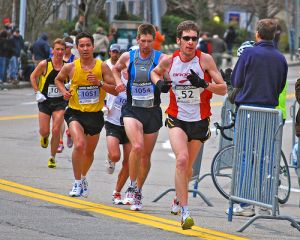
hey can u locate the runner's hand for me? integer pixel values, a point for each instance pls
(164, 85)
(226, 75)
(196, 81)
(39, 97)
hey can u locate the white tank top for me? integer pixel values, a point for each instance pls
(188, 103)
(115, 103)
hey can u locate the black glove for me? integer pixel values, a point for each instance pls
(226, 75)
(164, 85)
(196, 81)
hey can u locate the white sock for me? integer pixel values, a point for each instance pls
(78, 182)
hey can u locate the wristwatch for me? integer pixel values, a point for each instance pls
(101, 83)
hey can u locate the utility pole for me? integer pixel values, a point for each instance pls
(13, 14)
(22, 19)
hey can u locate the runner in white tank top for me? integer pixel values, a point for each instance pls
(189, 109)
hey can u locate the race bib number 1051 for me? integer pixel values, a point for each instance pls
(88, 94)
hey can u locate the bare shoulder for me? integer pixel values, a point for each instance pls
(206, 60)
(165, 60)
(122, 62)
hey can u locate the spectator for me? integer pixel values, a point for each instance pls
(40, 49)
(4, 48)
(27, 64)
(218, 48)
(112, 36)
(79, 26)
(229, 37)
(260, 73)
(159, 39)
(101, 44)
(204, 43)
(18, 44)
(277, 36)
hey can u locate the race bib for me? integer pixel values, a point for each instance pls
(88, 94)
(53, 91)
(142, 94)
(120, 100)
(187, 94)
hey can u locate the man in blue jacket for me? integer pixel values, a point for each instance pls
(260, 75)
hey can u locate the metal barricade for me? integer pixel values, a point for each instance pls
(256, 162)
(226, 110)
(293, 113)
(195, 178)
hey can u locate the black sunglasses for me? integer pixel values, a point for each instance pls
(188, 38)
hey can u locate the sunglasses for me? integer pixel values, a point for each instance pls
(188, 38)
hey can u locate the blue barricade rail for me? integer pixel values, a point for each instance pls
(256, 161)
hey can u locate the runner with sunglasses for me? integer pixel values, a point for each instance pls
(194, 77)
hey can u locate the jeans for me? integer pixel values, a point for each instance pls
(13, 68)
(2, 68)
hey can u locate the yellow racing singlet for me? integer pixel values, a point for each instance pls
(85, 96)
(46, 83)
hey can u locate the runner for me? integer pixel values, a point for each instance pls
(91, 79)
(68, 58)
(115, 132)
(191, 73)
(142, 115)
(50, 101)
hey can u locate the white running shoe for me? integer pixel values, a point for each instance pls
(84, 189)
(175, 210)
(137, 204)
(110, 166)
(187, 221)
(116, 198)
(129, 197)
(247, 211)
(76, 190)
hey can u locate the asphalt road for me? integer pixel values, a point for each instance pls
(34, 202)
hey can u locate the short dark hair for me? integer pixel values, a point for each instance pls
(266, 28)
(146, 28)
(187, 26)
(68, 39)
(84, 35)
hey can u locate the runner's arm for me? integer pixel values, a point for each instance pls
(218, 86)
(37, 72)
(109, 83)
(117, 69)
(163, 66)
(59, 81)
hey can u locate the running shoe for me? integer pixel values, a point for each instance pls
(247, 211)
(109, 166)
(116, 198)
(76, 190)
(186, 221)
(137, 204)
(84, 189)
(51, 162)
(129, 197)
(44, 142)
(175, 210)
(60, 147)
(69, 139)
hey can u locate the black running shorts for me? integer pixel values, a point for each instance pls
(151, 118)
(198, 130)
(117, 132)
(92, 122)
(48, 107)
